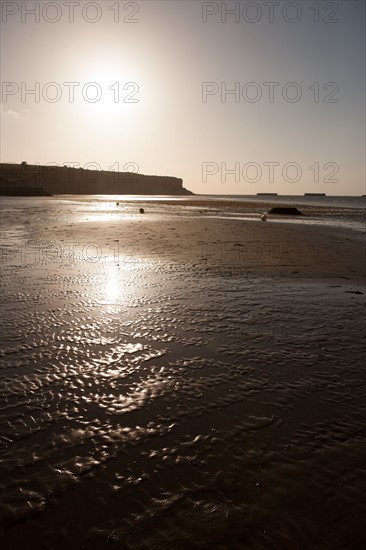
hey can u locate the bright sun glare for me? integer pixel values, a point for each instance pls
(109, 91)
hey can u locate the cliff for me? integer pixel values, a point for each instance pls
(23, 191)
(17, 178)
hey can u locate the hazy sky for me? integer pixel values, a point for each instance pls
(151, 83)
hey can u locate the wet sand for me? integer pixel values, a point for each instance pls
(180, 380)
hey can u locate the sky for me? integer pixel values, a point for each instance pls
(232, 97)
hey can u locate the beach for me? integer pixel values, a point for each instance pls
(189, 377)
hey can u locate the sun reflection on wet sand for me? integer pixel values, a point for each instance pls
(113, 289)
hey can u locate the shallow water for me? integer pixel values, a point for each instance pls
(165, 405)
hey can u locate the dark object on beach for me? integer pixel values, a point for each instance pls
(267, 194)
(142, 211)
(286, 210)
(117, 203)
(314, 195)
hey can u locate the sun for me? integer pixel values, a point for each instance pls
(108, 91)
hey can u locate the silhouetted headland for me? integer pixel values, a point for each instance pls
(27, 179)
(23, 191)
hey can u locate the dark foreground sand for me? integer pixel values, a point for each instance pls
(172, 380)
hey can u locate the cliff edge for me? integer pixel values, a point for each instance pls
(60, 180)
